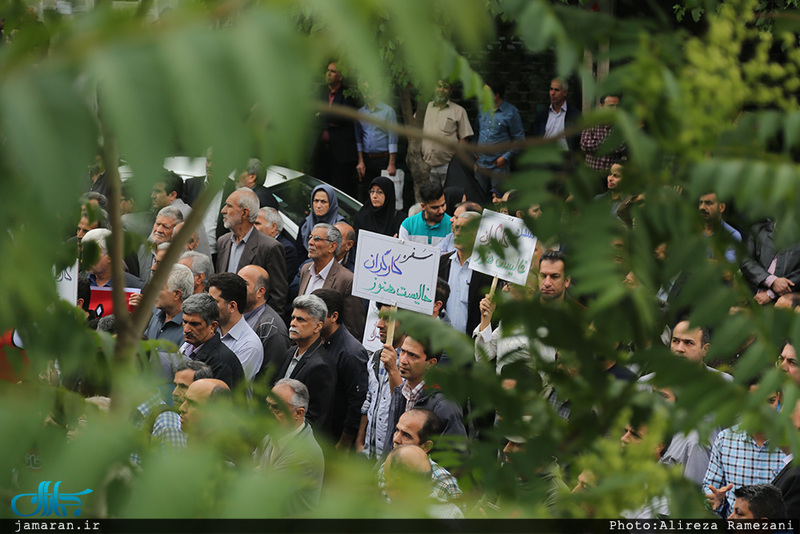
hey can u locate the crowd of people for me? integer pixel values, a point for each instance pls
(248, 304)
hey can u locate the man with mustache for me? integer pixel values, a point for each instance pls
(711, 210)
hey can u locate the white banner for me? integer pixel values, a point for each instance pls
(512, 264)
(395, 272)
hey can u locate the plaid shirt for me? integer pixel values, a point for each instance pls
(591, 139)
(412, 395)
(445, 485)
(737, 459)
(166, 428)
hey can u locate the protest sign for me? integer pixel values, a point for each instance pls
(509, 263)
(399, 273)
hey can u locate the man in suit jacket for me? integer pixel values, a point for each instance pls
(203, 342)
(269, 222)
(308, 361)
(766, 282)
(335, 156)
(466, 286)
(551, 121)
(292, 448)
(245, 245)
(324, 272)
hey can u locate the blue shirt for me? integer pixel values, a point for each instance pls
(501, 125)
(371, 138)
(737, 459)
(160, 328)
(417, 230)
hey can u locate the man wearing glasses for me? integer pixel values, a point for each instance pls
(448, 121)
(324, 272)
(291, 449)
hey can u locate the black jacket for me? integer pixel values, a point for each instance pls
(761, 248)
(788, 481)
(223, 362)
(572, 118)
(349, 357)
(319, 376)
(479, 285)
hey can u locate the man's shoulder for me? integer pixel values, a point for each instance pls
(341, 272)
(263, 240)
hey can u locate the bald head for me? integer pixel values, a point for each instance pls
(405, 466)
(348, 239)
(257, 280)
(197, 395)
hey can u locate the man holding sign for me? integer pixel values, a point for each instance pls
(465, 284)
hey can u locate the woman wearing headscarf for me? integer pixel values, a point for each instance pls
(379, 215)
(453, 196)
(324, 209)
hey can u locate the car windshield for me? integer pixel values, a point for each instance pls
(293, 196)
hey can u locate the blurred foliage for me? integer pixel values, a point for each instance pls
(717, 111)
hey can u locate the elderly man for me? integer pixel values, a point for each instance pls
(270, 222)
(308, 362)
(201, 267)
(265, 322)
(407, 469)
(551, 122)
(324, 272)
(466, 285)
(198, 394)
(203, 342)
(349, 359)
(252, 177)
(291, 449)
(449, 121)
(246, 246)
(187, 372)
(100, 273)
(230, 292)
(415, 360)
(163, 230)
(167, 320)
(346, 254)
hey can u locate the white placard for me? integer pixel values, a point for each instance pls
(372, 337)
(396, 272)
(67, 284)
(513, 264)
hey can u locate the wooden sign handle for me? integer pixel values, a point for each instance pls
(494, 287)
(390, 332)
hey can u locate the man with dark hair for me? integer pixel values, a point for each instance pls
(501, 124)
(308, 362)
(85, 295)
(415, 360)
(553, 280)
(349, 360)
(377, 147)
(442, 295)
(599, 157)
(324, 272)
(187, 372)
(466, 285)
(432, 224)
(264, 321)
(551, 121)
(758, 501)
(711, 210)
(253, 177)
(788, 362)
(335, 156)
(449, 121)
(245, 245)
(230, 292)
(202, 341)
(167, 191)
(384, 377)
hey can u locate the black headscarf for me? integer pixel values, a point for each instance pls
(384, 220)
(453, 195)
